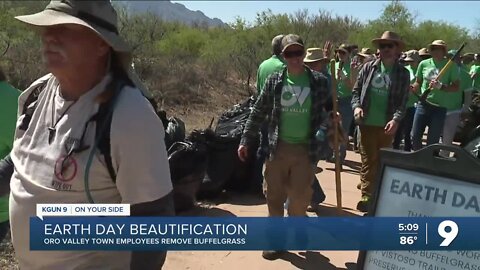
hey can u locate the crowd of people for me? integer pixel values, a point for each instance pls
(73, 135)
(379, 96)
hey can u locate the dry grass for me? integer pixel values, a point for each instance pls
(206, 103)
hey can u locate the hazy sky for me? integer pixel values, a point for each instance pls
(463, 13)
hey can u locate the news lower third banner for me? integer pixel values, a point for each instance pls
(241, 233)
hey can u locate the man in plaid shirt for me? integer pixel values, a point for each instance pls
(296, 101)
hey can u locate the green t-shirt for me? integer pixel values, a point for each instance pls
(454, 100)
(378, 97)
(475, 69)
(342, 89)
(296, 100)
(8, 118)
(412, 98)
(267, 68)
(428, 70)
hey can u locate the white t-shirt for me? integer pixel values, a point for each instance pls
(138, 156)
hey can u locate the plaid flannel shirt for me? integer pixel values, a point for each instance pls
(268, 106)
(398, 91)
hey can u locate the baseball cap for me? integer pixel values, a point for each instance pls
(291, 39)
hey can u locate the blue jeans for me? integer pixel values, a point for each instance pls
(431, 116)
(345, 109)
(405, 130)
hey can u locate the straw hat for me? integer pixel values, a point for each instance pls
(365, 52)
(99, 16)
(344, 48)
(437, 43)
(424, 52)
(314, 55)
(389, 36)
(468, 56)
(412, 56)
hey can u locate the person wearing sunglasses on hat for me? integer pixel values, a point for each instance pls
(433, 112)
(296, 101)
(8, 116)
(55, 155)
(344, 92)
(379, 98)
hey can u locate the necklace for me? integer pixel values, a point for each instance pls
(52, 131)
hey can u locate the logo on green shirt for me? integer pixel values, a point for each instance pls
(381, 80)
(431, 73)
(294, 94)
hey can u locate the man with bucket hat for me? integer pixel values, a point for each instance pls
(424, 54)
(379, 98)
(57, 154)
(432, 113)
(344, 92)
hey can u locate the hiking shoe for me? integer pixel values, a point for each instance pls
(364, 204)
(272, 254)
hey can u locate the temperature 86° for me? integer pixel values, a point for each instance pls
(408, 240)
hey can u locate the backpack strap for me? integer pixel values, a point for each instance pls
(103, 120)
(30, 105)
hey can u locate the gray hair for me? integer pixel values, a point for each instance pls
(277, 44)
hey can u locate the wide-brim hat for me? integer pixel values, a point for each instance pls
(98, 16)
(423, 52)
(314, 55)
(390, 36)
(365, 52)
(412, 56)
(343, 48)
(468, 56)
(437, 43)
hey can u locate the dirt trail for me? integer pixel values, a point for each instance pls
(251, 206)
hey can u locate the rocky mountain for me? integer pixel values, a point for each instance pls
(172, 12)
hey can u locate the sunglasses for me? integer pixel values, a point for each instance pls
(386, 45)
(293, 54)
(437, 48)
(342, 52)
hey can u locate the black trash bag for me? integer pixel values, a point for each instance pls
(469, 122)
(188, 164)
(225, 170)
(175, 131)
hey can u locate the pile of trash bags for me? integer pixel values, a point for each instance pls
(205, 163)
(225, 171)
